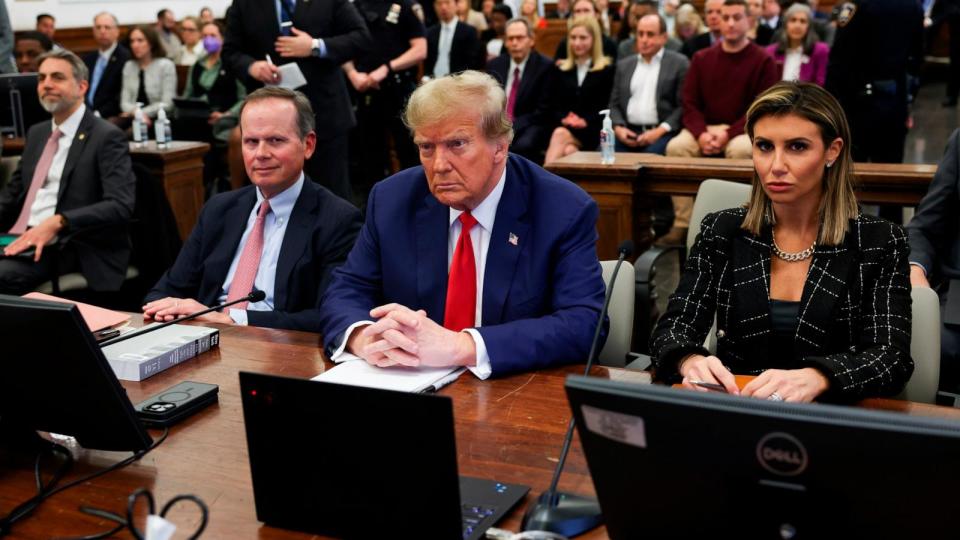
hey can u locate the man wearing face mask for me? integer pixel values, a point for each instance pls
(210, 81)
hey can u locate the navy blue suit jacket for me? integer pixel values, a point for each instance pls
(541, 296)
(321, 231)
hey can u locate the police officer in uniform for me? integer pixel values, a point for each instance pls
(878, 48)
(382, 79)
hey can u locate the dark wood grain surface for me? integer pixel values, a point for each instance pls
(509, 429)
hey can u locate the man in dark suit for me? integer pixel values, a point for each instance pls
(645, 102)
(106, 66)
(319, 35)
(452, 46)
(714, 21)
(934, 235)
(283, 235)
(473, 241)
(525, 75)
(74, 174)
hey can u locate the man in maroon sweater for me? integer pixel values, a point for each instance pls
(722, 82)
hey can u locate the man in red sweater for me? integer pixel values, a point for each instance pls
(722, 82)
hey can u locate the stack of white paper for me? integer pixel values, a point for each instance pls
(357, 372)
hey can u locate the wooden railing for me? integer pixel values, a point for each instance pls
(624, 190)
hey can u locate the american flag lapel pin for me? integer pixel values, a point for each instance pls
(513, 239)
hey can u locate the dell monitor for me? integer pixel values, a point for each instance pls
(19, 104)
(672, 463)
(54, 378)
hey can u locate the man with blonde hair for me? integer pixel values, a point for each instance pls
(479, 258)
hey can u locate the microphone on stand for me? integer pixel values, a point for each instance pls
(566, 513)
(253, 297)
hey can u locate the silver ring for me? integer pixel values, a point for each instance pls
(775, 397)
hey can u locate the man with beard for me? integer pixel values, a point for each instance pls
(74, 174)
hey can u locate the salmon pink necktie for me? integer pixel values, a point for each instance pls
(39, 177)
(246, 272)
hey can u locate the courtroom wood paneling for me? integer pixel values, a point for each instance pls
(627, 187)
(180, 167)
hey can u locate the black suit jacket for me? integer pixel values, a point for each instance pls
(107, 98)
(935, 228)
(531, 107)
(319, 236)
(854, 322)
(97, 189)
(252, 30)
(673, 69)
(465, 50)
(694, 44)
(586, 100)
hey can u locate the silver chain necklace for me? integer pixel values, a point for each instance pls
(792, 257)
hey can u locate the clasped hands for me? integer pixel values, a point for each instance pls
(713, 140)
(403, 337)
(794, 385)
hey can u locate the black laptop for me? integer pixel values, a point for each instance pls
(354, 462)
(671, 463)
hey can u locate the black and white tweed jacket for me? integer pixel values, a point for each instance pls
(854, 321)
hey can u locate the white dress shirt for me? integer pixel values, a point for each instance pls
(274, 228)
(45, 204)
(642, 106)
(792, 61)
(582, 70)
(447, 29)
(485, 213)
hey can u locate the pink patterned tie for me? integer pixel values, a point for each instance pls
(514, 90)
(249, 260)
(39, 177)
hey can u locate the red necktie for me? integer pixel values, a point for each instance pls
(246, 271)
(39, 177)
(514, 90)
(461, 308)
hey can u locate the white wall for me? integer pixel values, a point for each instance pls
(79, 13)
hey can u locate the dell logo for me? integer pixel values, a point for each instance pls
(782, 454)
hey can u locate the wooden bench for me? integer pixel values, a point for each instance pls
(624, 190)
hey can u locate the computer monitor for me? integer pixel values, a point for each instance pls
(19, 104)
(671, 463)
(54, 378)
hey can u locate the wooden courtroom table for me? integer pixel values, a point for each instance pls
(179, 166)
(509, 429)
(625, 189)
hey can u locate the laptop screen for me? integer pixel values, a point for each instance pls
(352, 462)
(669, 463)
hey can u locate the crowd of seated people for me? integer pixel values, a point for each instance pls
(677, 82)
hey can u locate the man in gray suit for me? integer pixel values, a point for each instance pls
(645, 101)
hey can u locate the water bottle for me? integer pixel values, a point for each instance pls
(138, 125)
(162, 128)
(606, 139)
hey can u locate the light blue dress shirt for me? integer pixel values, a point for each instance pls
(274, 227)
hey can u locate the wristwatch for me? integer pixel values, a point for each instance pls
(316, 47)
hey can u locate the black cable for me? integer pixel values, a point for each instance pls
(28, 507)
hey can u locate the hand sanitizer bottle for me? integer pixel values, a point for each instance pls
(138, 123)
(162, 128)
(606, 139)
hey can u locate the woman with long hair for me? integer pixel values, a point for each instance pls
(581, 90)
(808, 293)
(798, 53)
(149, 77)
